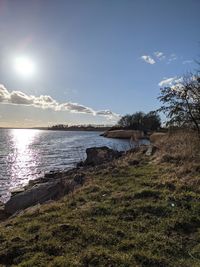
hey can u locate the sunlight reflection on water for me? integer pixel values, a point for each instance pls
(22, 158)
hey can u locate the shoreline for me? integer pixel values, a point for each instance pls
(56, 184)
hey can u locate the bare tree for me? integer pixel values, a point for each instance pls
(181, 102)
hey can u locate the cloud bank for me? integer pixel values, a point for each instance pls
(47, 102)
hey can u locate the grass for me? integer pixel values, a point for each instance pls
(122, 216)
(180, 145)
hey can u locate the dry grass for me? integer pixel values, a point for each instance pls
(179, 146)
(155, 137)
(179, 155)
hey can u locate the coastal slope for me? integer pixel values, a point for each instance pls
(133, 211)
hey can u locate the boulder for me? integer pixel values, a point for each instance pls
(42, 192)
(100, 155)
(17, 190)
(39, 193)
(151, 150)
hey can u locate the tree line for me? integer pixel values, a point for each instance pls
(141, 121)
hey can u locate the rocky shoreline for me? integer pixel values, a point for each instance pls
(54, 185)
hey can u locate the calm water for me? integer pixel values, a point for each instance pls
(28, 154)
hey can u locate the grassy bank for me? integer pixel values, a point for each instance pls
(126, 214)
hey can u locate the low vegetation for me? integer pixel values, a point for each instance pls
(134, 211)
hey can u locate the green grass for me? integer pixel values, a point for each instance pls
(122, 216)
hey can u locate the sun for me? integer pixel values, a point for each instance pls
(24, 66)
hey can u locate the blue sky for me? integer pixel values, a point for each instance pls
(94, 59)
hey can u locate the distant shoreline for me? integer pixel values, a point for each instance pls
(57, 129)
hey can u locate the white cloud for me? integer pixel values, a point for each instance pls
(159, 55)
(109, 114)
(170, 81)
(47, 102)
(167, 81)
(148, 59)
(76, 108)
(171, 58)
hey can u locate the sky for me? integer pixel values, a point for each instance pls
(91, 61)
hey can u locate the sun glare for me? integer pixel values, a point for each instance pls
(22, 158)
(24, 66)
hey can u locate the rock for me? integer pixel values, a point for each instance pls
(36, 181)
(50, 187)
(151, 150)
(37, 194)
(17, 190)
(100, 155)
(48, 177)
(52, 175)
(80, 164)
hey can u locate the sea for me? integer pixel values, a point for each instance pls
(27, 154)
